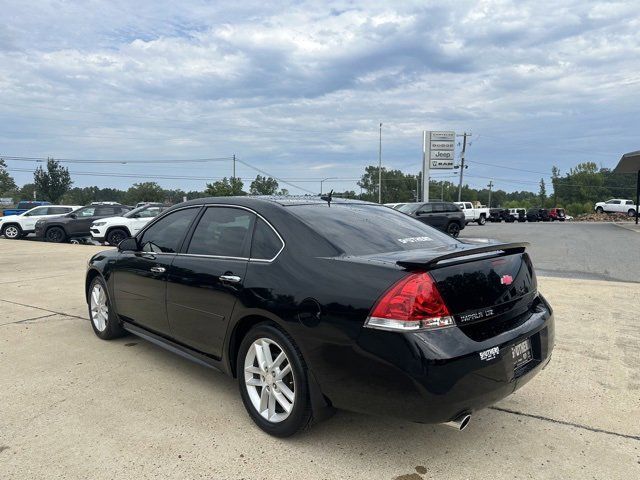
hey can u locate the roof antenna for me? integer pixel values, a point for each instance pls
(327, 198)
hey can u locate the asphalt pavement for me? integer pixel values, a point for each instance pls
(581, 250)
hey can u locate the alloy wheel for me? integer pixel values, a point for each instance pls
(99, 307)
(453, 230)
(11, 232)
(269, 380)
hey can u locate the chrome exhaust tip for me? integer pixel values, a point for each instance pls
(459, 423)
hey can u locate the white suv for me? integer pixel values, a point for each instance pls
(616, 205)
(18, 226)
(115, 229)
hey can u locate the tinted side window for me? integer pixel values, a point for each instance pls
(222, 232)
(100, 211)
(86, 212)
(426, 209)
(439, 208)
(58, 210)
(266, 244)
(166, 235)
(451, 207)
(629, 202)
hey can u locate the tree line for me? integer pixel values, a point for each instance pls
(576, 190)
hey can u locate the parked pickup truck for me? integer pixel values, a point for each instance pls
(22, 207)
(478, 215)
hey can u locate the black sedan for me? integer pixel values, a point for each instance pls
(314, 306)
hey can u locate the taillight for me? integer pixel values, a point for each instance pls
(412, 303)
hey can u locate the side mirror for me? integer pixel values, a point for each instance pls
(129, 244)
(419, 212)
(72, 215)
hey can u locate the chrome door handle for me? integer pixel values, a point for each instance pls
(158, 269)
(230, 278)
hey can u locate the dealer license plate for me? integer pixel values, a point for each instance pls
(521, 354)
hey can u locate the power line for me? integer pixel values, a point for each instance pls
(100, 161)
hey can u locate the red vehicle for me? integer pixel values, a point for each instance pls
(557, 214)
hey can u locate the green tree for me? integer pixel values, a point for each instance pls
(7, 184)
(542, 193)
(224, 188)
(397, 186)
(263, 186)
(144, 192)
(53, 182)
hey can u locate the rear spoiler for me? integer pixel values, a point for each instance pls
(505, 248)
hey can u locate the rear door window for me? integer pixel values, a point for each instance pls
(58, 210)
(105, 211)
(266, 244)
(222, 232)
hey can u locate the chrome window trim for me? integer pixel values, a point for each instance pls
(214, 205)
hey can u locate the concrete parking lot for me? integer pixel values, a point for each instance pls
(73, 406)
(599, 251)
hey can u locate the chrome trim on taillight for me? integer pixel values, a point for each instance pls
(392, 325)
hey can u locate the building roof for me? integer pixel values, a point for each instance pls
(629, 163)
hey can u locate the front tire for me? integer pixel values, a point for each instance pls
(272, 377)
(453, 229)
(55, 235)
(115, 236)
(631, 212)
(599, 210)
(104, 320)
(12, 232)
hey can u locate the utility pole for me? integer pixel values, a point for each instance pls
(417, 188)
(234, 166)
(329, 178)
(464, 148)
(490, 187)
(380, 167)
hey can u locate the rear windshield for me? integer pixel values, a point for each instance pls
(369, 229)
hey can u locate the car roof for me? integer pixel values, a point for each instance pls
(285, 201)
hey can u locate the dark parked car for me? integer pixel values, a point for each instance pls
(557, 214)
(444, 216)
(23, 206)
(501, 214)
(314, 306)
(538, 215)
(77, 223)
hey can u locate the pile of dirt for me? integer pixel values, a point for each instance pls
(603, 217)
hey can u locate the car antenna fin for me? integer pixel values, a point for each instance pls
(328, 197)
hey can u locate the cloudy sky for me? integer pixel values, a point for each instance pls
(297, 89)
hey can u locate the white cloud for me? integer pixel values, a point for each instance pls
(539, 82)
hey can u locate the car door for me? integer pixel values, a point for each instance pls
(139, 278)
(469, 212)
(206, 278)
(81, 221)
(30, 218)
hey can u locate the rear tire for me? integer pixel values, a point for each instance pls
(267, 391)
(55, 235)
(453, 229)
(104, 319)
(115, 236)
(482, 220)
(12, 231)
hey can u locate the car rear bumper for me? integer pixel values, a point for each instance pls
(433, 377)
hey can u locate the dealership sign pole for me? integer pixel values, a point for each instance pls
(437, 154)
